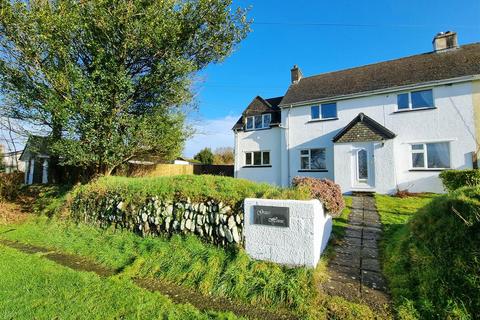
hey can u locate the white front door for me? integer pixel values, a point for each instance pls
(363, 166)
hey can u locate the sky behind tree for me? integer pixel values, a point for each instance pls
(318, 36)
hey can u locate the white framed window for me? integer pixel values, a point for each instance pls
(420, 99)
(430, 155)
(313, 159)
(257, 158)
(259, 122)
(324, 111)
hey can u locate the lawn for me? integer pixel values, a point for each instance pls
(395, 212)
(32, 287)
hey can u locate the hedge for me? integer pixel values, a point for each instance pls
(209, 206)
(455, 179)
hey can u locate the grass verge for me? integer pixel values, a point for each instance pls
(41, 289)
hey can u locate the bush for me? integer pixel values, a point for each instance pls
(435, 263)
(455, 179)
(327, 191)
(10, 185)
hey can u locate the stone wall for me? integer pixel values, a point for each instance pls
(212, 221)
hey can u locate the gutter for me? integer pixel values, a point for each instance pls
(382, 91)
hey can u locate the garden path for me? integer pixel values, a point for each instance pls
(355, 272)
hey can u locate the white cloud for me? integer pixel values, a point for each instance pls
(211, 133)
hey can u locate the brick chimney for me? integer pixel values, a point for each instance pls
(445, 41)
(296, 74)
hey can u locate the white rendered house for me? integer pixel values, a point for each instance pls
(382, 127)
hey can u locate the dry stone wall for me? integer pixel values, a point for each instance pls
(211, 220)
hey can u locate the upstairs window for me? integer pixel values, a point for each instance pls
(422, 99)
(257, 158)
(313, 159)
(431, 155)
(259, 122)
(324, 111)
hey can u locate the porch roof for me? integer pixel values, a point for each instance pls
(363, 128)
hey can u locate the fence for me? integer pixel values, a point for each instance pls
(162, 170)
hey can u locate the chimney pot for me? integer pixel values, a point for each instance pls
(445, 41)
(296, 74)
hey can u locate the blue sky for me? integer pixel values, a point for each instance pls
(319, 36)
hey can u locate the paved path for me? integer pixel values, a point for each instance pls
(354, 270)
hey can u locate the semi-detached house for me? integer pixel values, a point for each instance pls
(382, 127)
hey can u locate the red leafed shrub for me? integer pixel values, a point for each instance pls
(327, 191)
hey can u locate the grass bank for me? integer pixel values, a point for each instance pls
(194, 187)
(430, 254)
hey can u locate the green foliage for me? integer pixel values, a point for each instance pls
(205, 156)
(109, 79)
(341, 222)
(50, 291)
(432, 262)
(197, 188)
(455, 179)
(50, 200)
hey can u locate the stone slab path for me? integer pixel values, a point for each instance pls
(355, 272)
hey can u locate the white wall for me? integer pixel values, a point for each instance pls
(301, 244)
(381, 160)
(259, 140)
(452, 120)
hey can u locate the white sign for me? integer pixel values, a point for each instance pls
(298, 243)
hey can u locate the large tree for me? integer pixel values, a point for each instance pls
(110, 78)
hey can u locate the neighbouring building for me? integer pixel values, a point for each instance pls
(12, 163)
(382, 127)
(36, 158)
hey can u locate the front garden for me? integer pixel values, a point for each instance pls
(429, 254)
(180, 257)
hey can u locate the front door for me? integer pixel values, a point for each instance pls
(363, 166)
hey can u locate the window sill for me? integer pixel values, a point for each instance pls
(259, 129)
(314, 170)
(322, 120)
(428, 170)
(412, 110)
(262, 166)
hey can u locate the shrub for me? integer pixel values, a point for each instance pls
(10, 185)
(327, 191)
(455, 179)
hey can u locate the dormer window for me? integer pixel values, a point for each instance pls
(258, 122)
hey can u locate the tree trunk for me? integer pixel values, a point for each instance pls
(55, 159)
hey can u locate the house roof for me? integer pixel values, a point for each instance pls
(363, 128)
(35, 145)
(422, 68)
(260, 106)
